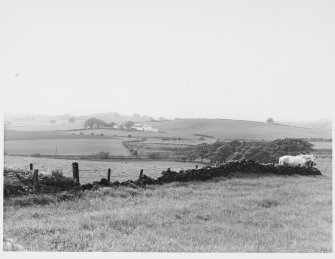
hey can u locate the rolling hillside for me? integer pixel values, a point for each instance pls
(61, 122)
(184, 128)
(316, 124)
(236, 129)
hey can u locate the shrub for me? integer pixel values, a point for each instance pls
(102, 155)
(154, 155)
(57, 173)
(129, 136)
(72, 120)
(201, 139)
(235, 156)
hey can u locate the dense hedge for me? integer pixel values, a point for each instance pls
(20, 182)
(260, 151)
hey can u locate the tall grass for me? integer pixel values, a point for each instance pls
(252, 214)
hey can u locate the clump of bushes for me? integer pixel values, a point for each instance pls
(57, 173)
(102, 155)
(154, 155)
(19, 182)
(260, 151)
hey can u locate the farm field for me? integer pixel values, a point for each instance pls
(95, 170)
(166, 150)
(36, 135)
(84, 143)
(65, 147)
(246, 214)
(185, 128)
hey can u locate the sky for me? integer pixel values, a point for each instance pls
(212, 59)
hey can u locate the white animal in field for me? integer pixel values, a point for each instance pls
(299, 160)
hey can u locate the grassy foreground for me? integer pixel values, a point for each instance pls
(253, 214)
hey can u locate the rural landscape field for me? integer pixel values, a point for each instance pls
(250, 213)
(167, 126)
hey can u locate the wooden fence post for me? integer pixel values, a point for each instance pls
(140, 178)
(35, 181)
(75, 171)
(31, 167)
(109, 175)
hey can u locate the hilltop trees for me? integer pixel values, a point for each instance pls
(94, 123)
(270, 120)
(129, 124)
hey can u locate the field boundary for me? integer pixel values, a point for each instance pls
(30, 182)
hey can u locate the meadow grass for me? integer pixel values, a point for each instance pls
(66, 146)
(246, 214)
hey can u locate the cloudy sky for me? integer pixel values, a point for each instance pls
(216, 59)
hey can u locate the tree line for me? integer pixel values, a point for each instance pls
(98, 123)
(261, 151)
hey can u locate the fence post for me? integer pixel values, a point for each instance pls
(109, 175)
(141, 174)
(75, 171)
(35, 181)
(31, 167)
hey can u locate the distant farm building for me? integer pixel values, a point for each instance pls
(143, 127)
(118, 125)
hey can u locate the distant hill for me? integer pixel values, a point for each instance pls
(232, 129)
(185, 128)
(317, 124)
(43, 122)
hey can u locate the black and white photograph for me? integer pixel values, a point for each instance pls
(167, 126)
